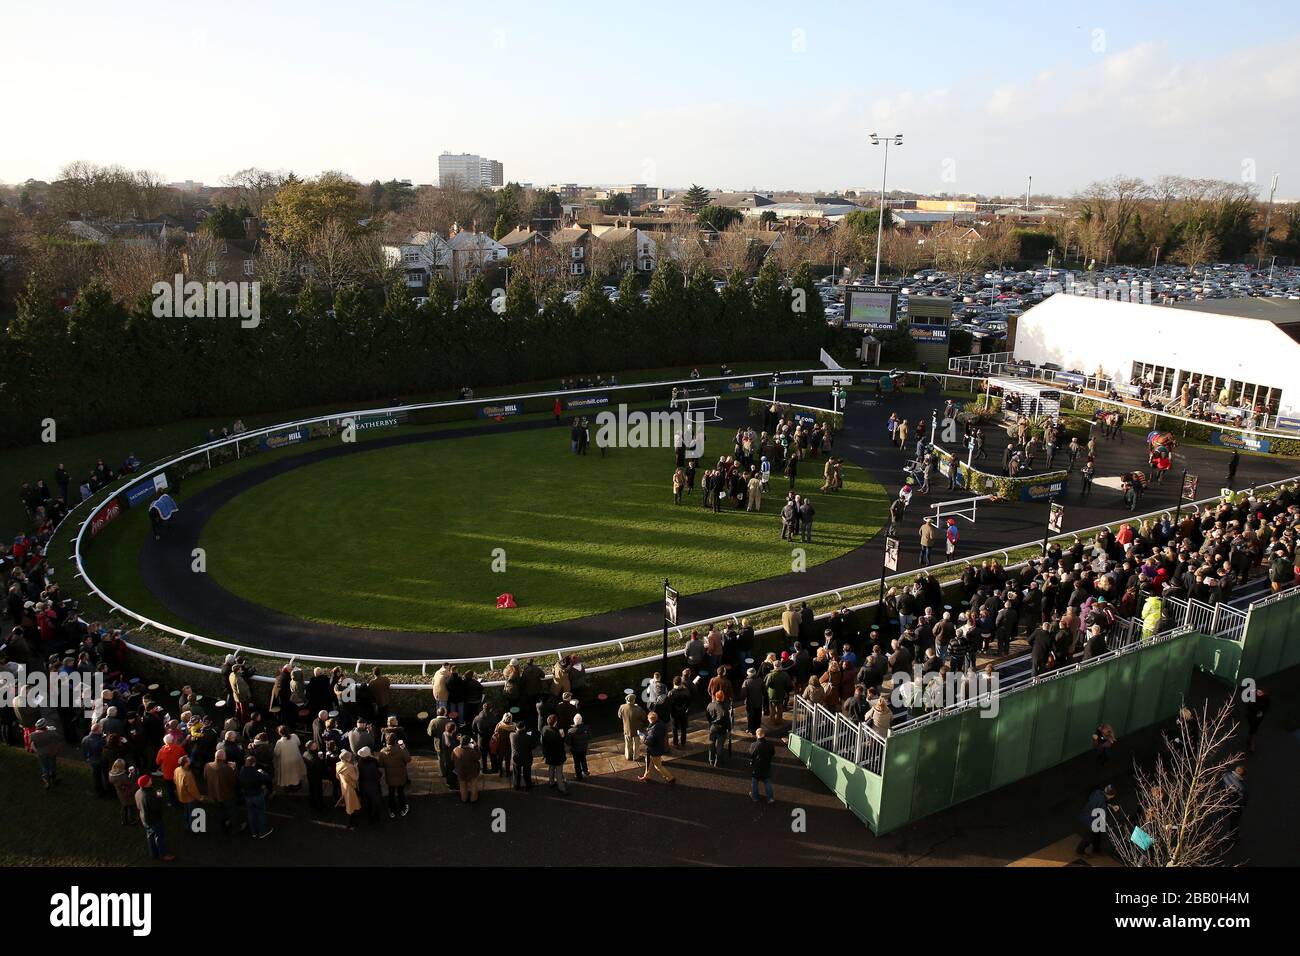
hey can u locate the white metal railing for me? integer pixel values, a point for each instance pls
(423, 663)
(621, 642)
(681, 630)
(1075, 383)
(1229, 622)
(857, 743)
(1220, 619)
(1200, 616)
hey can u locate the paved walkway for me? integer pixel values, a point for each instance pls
(604, 758)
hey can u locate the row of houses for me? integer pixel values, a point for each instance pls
(464, 254)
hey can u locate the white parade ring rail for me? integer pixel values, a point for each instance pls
(490, 661)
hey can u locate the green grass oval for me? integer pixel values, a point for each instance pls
(404, 538)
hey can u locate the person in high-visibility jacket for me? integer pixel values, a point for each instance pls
(1151, 612)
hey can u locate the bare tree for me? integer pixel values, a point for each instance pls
(684, 243)
(792, 251)
(253, 187)
(277, 267)
(956, 252)
(1000, 243)
(129, 269)
(901, 252)
(1111, 205)
(613, 257)
(202, 257)
(333, 255)
(1186, 804)
(841, 245)
(735, 248)
(153, 195)
(540, 264)
(1197, 246)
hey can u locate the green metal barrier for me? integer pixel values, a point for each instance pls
(942, 762)
(936, 763)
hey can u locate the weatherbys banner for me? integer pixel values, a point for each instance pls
(284, 439)
(144, 491)
(1242, 442)
(381, 420)
(1042, 490)
(591, 401)
(499, 411)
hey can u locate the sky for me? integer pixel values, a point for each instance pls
(728, 95)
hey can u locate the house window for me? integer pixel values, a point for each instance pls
(576, 269)
(578, 252)
(249, 266)
(410, 256)
(212, 268)
(224, 250)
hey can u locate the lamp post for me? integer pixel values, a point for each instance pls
(897, 140)
(1268, 218)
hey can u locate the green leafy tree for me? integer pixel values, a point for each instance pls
(814, 311)
(667, 292)
(226, 222)
(521, 304)
(719, 217)
(695, 199)
(512, 208)
(547, 204)
(767, 296)
(865, 222)
(301, 208)
(620, 204)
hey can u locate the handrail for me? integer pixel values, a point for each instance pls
(1048, 376)
(489, 660)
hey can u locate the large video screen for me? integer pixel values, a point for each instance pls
(870, 310)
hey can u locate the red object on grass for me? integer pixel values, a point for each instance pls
(506, 600)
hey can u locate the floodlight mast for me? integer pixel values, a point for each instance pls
(897, 140)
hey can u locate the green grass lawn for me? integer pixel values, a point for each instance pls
(404, 538)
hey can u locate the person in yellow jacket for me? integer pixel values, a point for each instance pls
(187, 793)
(349, 787)
(1151, 612)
